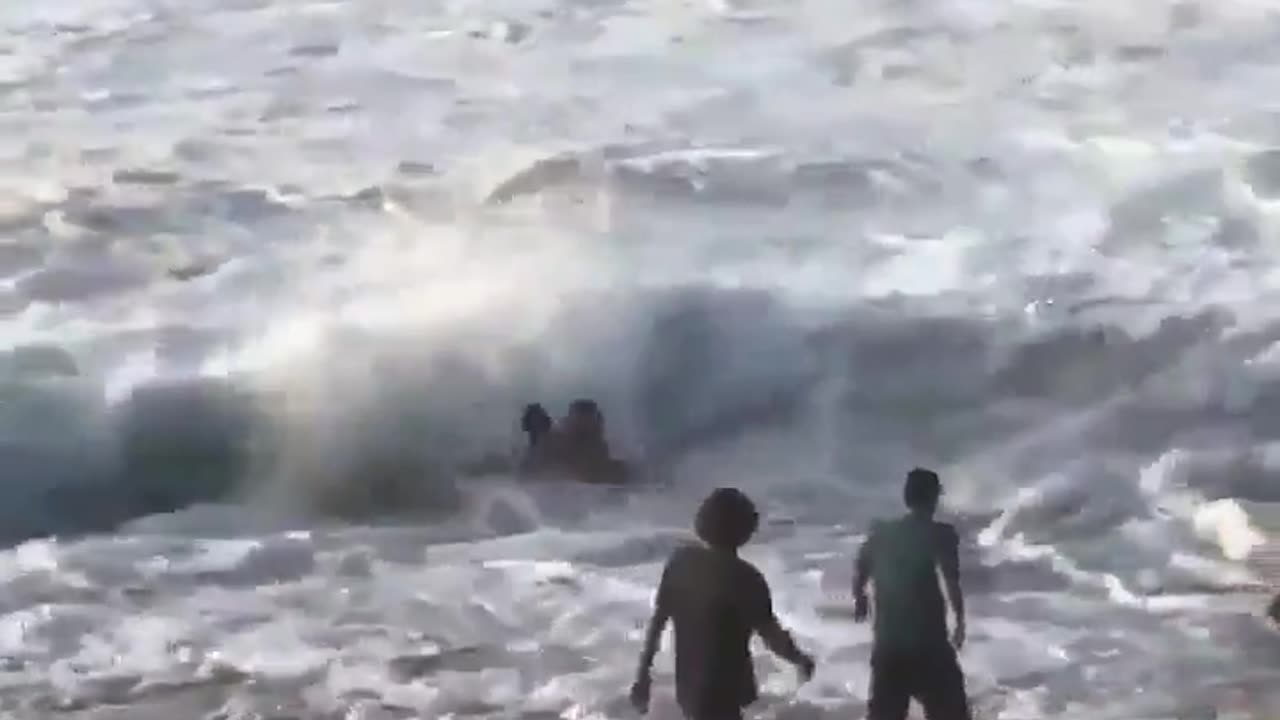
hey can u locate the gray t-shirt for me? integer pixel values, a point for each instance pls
(910, 615)
(717, 601)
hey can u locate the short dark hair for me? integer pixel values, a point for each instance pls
(535, 417)
(586, 412)
(584, 406)
(727, 519)
(922, 489)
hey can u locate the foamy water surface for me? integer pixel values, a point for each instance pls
(276, 277)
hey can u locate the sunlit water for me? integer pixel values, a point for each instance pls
(291, 265)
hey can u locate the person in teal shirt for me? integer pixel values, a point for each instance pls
(912, 655)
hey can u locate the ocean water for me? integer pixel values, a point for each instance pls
(276, 277)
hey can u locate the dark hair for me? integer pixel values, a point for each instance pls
(727, 519)
(922, 489)
(585, 415)
(584, 406)
(535, 418)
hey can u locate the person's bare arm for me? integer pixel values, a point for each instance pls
(949, 561)
(657, 622)
(775, 637)
(781, 643)
(861, 576)
(662, 609)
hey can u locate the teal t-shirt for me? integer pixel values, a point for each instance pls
(909, 611)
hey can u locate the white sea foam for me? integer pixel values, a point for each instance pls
(274, 274)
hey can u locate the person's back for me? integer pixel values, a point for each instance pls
(583, 448)
(910, 614)
(717, 601)
(542, 451)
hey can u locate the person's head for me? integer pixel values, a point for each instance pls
(922, 491)
(727, 519)
(585, 418)
(535, 421)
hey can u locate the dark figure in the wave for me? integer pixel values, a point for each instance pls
(911, 656)
(717, 601)
(1273, 611)
(540, 454)
(535, 423)
(584, 432)
(582, 448)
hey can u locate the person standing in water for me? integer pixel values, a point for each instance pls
(584, 452)
(585, 444)
(1273, 611)
(717, 601)
(536, 424)
(911, 656)
(540, 455)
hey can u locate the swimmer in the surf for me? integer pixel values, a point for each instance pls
(717, 601)
(536, 424)
(912, 656)
(1273, 611)
(584, 432)
(537, 456)
(582, 447)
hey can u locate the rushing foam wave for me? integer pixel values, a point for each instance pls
(276, 278)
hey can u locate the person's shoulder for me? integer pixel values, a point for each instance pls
(885, 527)
(746, 569)
(679, 562)
(946, 532)
(749, 575)
(746, 566)
(684, 551)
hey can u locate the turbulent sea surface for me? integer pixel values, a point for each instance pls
(275, 273)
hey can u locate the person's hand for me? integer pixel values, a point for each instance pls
(860, 608)
(640, 693)
(806, 666)
(958, 635)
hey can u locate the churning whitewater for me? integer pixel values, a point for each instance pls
(274, 274)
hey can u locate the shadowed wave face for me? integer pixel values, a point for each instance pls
(696, 369)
